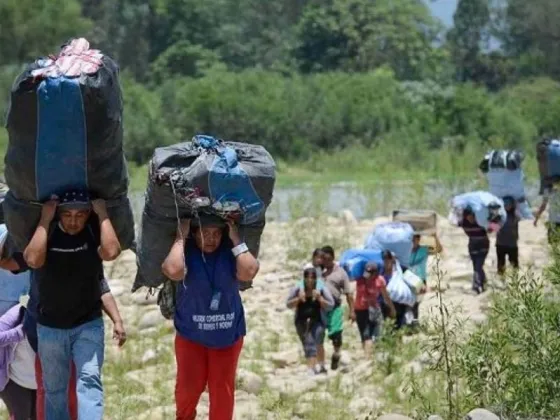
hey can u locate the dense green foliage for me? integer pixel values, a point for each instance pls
(308, 76)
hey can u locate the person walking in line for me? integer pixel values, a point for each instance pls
(67, 261)
(507, 238)
(369, 317)
(209, 262)
(479, 245)
(551, 199)
(311, 300)
(401, 312)
(17, 372)
(337, 281)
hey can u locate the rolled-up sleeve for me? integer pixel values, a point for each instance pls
(328, 298)
(293, 293)
(105, 287)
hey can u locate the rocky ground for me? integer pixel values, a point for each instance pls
(272, 379)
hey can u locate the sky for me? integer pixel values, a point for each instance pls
(443, 9)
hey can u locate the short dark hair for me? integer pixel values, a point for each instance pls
(387, 255)
(417, 236)
(317, 252)
(310, 271)
(328, 250)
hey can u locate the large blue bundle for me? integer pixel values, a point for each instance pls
(548, 157)
(392, 236)
(355, 260)
(202, 179)
(486, 207)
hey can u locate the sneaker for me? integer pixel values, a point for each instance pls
(335, 361)
(311, 372)
(323, 369)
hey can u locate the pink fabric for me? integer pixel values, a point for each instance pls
(74, 59)
(368, 291)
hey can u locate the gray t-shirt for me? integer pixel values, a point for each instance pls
(338, 283)
(508, 235)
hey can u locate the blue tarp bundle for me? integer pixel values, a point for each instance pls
(392, 236)
(548, 157)
(355, 260)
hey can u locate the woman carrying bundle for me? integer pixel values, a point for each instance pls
(209, 315)
(311, 300)
(369, 316)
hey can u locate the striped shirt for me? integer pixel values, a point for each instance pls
(478, 237)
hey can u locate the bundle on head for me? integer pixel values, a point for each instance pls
(65, 133)
(506, 178)
(196, 179)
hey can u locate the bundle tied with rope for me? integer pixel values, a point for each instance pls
(208, 181)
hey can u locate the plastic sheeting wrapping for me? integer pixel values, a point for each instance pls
(194, 180)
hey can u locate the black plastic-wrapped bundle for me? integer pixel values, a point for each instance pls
(199, 179)
(65, 132)
(502, 159)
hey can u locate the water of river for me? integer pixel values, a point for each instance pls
(364, 202)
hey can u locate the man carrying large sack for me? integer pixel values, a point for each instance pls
(68, 261)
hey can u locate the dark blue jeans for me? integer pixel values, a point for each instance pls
(479, 276)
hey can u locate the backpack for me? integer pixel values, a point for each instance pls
(166, 299)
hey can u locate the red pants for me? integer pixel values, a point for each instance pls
(72, 397)
(198, 366)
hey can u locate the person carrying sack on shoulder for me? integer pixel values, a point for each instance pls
(311, 300)
(551, 196)
(209, 262)
(67, 262)
(479, 245)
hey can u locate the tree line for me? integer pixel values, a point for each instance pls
(300, 76)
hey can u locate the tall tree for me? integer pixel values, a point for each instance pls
(531, 33)
(359, 35)
(30, 28)
(469, 37)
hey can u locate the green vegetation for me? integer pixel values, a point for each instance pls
(336, 90)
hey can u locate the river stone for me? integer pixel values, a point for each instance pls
(481, 414)
(249, 381)
(150, 320)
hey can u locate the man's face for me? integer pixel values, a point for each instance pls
(416, 240)
(328, 261)
(73, 221)
(208, 239)
(470, 218)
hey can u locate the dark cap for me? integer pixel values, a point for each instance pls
(77, 200)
